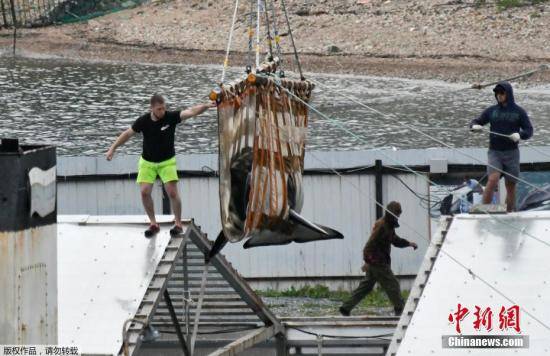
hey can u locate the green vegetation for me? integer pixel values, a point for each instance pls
(507, 4)
(377, 298)
(318, 291)
(78, 11)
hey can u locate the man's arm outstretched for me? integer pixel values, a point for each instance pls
(196, 110)
(125, 136)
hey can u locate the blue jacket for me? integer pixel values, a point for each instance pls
(505, 120)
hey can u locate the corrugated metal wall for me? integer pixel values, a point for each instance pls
(344, 203)
(103, 197)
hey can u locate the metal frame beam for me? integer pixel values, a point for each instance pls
(246, 342)
(174, 318)
(236, 281)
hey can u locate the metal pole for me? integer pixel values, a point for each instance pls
(186, 292)
(14, 22)
(378, 185)
(199, 308)
(176, 322)
(3, 9)
(319, 345)
(282, 348)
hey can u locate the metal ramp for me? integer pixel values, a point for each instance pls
(504, 262)
(157, 291)
(222, 304)
(110, 276)
(228, 303)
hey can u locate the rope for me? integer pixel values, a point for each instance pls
(460, 129)
(541, 68)
(522, 231)
(250, 36)
(297, 60)
(469, 270)
(526, 144)
(226, 61)
(328, 336)
(268, 31)
(406, 167)
(425, 201)
(277, 37)
(410, 127)
(258, 35)
(412, 228)
(198, 310)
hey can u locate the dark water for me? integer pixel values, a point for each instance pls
(81, 107)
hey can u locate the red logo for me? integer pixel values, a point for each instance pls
(483, 318)
(508, 318)
(458, 316)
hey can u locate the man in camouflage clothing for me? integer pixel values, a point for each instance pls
(377, 267)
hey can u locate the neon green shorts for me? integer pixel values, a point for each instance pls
(166, 170)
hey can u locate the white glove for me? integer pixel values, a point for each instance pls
(515, 137)
(476, 128)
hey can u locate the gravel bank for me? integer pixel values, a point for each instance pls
(451, 40)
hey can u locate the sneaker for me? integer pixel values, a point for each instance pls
(176, 230)
(152, 230)
(343, 311)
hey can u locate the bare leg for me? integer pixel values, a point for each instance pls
(510, 196)
(492, 183)
(147, 200)
(172, 191)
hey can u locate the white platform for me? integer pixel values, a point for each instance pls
(505, 254)
(104, 267)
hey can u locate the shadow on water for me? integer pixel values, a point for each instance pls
(81, 107)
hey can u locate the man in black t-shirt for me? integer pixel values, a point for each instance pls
(159, 156)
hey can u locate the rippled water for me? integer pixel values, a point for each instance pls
(81, 107)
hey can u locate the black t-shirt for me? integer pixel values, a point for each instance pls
(158, 136)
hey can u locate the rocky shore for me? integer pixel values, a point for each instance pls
(452, 40)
